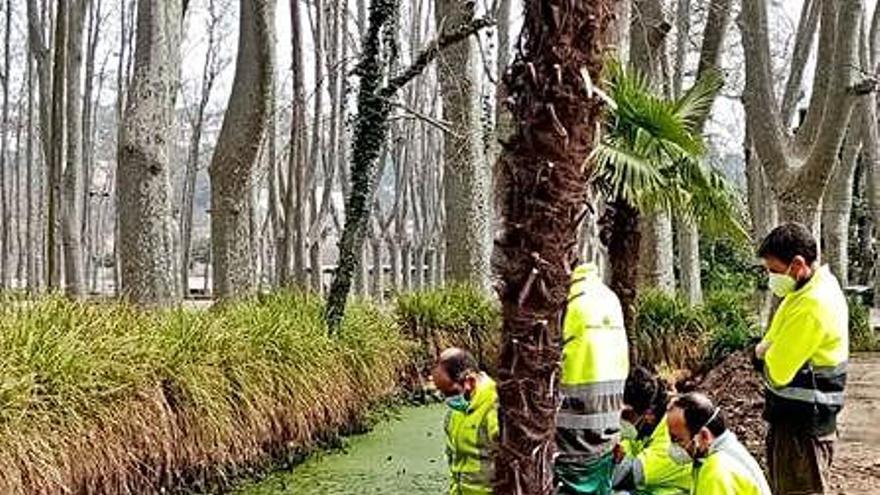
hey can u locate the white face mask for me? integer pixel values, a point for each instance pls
(782, 284)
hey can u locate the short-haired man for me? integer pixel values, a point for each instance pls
(643, 463)
(471, 424)
(803, 358)
(722, 466)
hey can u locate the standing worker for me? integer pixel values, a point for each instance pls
(595, 363)
(722, 465)
(803, 359)
(471, 424)
(643, 465)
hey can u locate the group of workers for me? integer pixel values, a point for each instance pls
(622, 431)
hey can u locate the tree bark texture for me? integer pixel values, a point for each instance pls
(466, 174)
(5, 214)
(543, 203)
(798, 170)
(74, 274)
(621, 234)
(57, 148)
(143, 191)
(837, 206)
(238, 148)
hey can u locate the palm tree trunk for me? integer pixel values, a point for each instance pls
(622, 237)
(543, 201)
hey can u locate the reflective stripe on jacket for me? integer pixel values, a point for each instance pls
(595, 358)
(470, 440)
(805, 364)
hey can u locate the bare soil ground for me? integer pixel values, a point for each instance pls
(857, 456)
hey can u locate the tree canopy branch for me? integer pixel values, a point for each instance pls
(842, 96)
(430, 52)
(803, 45)
(762, 113)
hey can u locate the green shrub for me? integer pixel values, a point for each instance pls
(726, 265)
(669, 332)
(457, 315)
(672, 334)
(733, 324)
(108, 399)
(861, 336)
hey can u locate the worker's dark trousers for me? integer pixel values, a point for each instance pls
(798, 463)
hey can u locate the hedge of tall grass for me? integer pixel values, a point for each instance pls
(458, 315)
(107, 399)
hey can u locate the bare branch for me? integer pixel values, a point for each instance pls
(431, 51)
(760, 103)
(439, 124)
(841, 98)
(803, 45)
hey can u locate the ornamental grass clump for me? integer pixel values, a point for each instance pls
(109, 399)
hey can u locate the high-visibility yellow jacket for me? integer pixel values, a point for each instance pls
(653, 471)
(595, 363)
(471, 437)
(805, 363)
(729, 469)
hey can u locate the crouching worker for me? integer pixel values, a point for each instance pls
(722, 465)
(595, 363)
(643, 465)
(471, 424)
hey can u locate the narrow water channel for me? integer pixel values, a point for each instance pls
(402, 456)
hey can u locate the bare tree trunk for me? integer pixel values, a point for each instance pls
(210, 71)
(837, 206)
(90, 104)
(5, 214)
(649, 29)
(656, 253)
(72, 218)
(237, 152)
(377, 284)
(17, 195)
(33, 181)
(294, 250)
(143, 189)
(714, 34)
(466, 181)
(57, 148)
(689, 261)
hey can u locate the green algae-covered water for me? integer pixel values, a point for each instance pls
(402, 456)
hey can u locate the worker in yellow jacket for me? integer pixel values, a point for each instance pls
(721, 464)
(471, 424)
(595, 364)
(803, 358)
(643, 465)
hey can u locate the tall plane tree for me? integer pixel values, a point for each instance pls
(238, 149)
(798, 167)
(544, 169)
(146, 249)
(466, 177)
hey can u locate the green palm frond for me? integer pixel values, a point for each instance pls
(694, 106)
(623, 173)
(651, 153)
